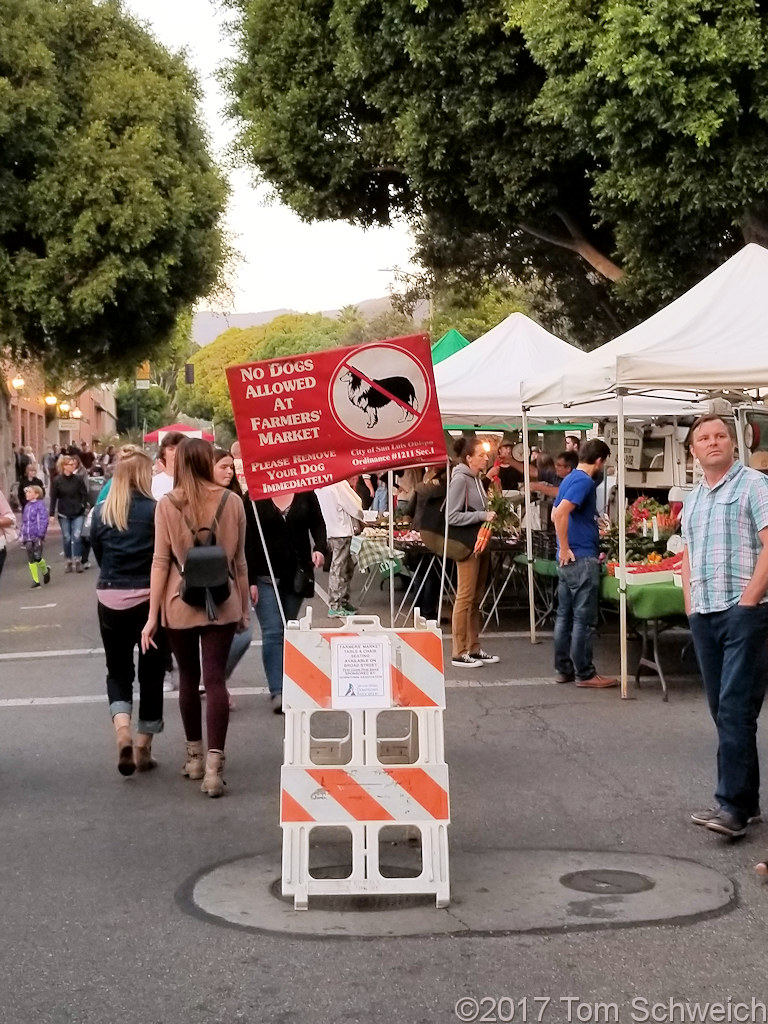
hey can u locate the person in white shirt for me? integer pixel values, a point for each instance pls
(341, 507)
(162, 482)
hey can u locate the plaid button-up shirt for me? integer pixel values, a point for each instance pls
(720, 528)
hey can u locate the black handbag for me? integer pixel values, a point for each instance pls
(300, 582)
(460, 544)
(461, 539)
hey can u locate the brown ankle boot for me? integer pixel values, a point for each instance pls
(213, 783)
(125, 762)
(142, 753)
(194, 767)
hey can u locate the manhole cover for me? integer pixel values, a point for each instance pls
(369, 901)
(607, 882)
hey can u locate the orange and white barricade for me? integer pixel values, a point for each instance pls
(381, 764)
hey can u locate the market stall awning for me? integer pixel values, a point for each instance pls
(451, 342)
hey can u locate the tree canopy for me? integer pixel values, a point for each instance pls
(109, 200)
(291, 334)
(519, 135)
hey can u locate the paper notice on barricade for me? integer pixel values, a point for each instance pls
(361, 674)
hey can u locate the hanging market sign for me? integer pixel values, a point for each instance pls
(308, 421)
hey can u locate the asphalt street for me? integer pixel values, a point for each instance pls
(97, 923)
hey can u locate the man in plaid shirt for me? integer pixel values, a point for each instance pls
(725, 578)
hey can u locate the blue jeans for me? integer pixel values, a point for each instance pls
(731, 650)
(71, 535)
(578, 597)
(240, 644)
(268, 614)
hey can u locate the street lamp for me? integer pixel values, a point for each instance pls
(17, 384)
(64, 407)
(77, 414)
(50, 400)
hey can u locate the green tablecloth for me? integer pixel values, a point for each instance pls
(647, 601)
(541, 566)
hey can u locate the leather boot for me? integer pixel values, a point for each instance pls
(142, 753)
(194, 767)
(213, 783)
(125, 762)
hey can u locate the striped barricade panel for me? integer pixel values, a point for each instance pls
(418, 679)
(337, 796)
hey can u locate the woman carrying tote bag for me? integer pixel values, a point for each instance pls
(466, 507)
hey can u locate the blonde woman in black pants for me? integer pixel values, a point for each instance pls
(123, 540)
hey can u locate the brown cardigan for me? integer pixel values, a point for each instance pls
(173, 535)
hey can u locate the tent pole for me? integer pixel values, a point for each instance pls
(528, 518)
(445, 544)
(622, 543)
(391, 542)
(269, 561)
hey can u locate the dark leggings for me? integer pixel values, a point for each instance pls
(209, 645)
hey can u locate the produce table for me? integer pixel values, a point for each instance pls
(545, 586)
(658, 606)
(426, 561)
(502, 570)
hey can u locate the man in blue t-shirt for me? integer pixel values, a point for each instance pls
(578, 549)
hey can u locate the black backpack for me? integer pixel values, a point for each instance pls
(205, 575)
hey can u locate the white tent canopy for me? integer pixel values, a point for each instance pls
(480, 385)
(713, 337)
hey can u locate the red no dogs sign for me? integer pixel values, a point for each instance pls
(308, 421)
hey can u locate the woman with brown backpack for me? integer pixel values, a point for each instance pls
(199, 585)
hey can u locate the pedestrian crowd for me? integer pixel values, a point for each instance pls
(186, 559)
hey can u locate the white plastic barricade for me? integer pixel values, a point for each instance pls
(381, 764)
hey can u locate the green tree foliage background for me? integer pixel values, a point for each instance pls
(611, 151)
(110, 203)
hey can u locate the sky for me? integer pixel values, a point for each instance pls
(284, 262)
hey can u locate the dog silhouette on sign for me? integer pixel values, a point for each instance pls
(370, 397)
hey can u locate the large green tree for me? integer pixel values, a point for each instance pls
(288, 335)
(566, 140)
(110, 203)
(671, 101)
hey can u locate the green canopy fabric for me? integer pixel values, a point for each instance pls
(452, 341)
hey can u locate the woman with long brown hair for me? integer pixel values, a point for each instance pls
(123, 539)
(466, 506)
(198, 509)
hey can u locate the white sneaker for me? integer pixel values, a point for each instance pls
(466, 661)
(168, 685)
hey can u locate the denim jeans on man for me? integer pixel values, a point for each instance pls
(71, 534)
(578, 595)
(731, 651)
(268, 614)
